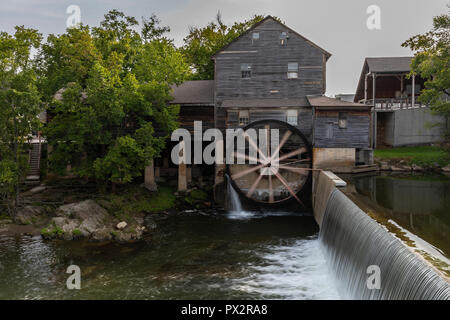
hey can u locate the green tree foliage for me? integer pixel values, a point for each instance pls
(114, 115)
(432, 62)
(20, 105)
(203, 42)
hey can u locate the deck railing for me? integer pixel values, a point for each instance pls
(393, 103)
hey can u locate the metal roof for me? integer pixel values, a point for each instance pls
(264, 103)
(389, 64)
(327, 102)
(194, 92)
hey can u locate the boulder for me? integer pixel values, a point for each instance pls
(89, 220)
(27, 214)
(87, 209)
(446, 168)
(104, 234)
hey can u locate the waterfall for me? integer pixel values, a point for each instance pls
(233, 201)
(352, 241)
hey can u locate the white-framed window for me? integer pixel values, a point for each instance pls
(342, 120)
(243, 118)
(246, 70)
(283, 38)
(292, 70)
(292, 117)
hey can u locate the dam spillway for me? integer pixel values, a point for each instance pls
(352, 241)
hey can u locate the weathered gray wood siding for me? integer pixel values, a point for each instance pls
(269, 65)
(304, 121)
(327, 133)
(190, 113)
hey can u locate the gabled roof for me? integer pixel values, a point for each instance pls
(389, 64)
(327, 54)
(194, 92)
(323, 102)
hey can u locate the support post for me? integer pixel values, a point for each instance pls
(374, 112)
(165, 163)
(182, 179)
(401, 91)
(413, 91)
(149, 177)
(189, 174)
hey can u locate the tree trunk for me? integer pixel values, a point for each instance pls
(17, 186)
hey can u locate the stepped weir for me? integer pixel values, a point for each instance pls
(353, 241)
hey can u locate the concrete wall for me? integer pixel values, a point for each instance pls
(410, 127)
(335, 159)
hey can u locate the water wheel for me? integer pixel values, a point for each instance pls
(271, 176)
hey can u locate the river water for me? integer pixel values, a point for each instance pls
(270, 255)
(418, 205)
(235, 255)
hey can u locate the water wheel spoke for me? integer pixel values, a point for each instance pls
(302, 171)
(286, 164)
(254, 145)
(292, 153)
(246, 172)
(284, 182)
(286, 136)
(254, 185)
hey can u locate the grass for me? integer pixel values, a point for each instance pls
(135, 199)
(422, 155)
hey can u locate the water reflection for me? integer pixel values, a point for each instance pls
(418, 203)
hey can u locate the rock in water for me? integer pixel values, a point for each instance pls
(121, 225)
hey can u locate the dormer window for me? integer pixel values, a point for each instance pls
(283, 38)
(292, 70)
(246, 70)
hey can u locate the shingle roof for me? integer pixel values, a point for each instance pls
(389, 64)
(194, 92)
(264, 103)
(326, 102)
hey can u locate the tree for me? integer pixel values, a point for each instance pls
(203, 42)
(432, 62)
(114, 116)
(21, 105)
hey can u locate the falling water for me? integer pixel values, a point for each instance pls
(352, 241)
(233, 201)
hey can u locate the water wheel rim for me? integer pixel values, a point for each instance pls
(308, 151)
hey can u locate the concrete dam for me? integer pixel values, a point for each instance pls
(353, 241)
(354, 245)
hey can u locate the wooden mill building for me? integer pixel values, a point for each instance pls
(270, 72)
(399, 119)
(273, 72)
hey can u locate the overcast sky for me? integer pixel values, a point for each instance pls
(338, 26)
